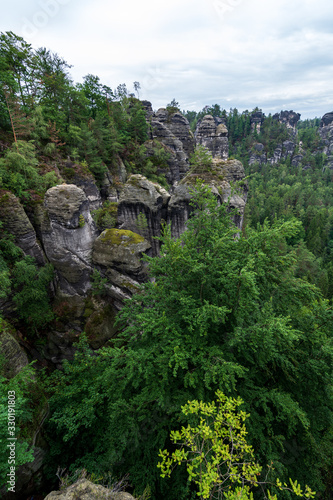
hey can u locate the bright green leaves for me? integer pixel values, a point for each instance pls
(216, 453)
(214, 449)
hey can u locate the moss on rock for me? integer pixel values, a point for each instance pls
(120, 237)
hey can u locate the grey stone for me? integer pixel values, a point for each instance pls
(143, 198)
(17, 223)
(213, 136)
(68, 239)
(85, 490)
(120, 249)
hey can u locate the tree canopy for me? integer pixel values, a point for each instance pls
(220, 312)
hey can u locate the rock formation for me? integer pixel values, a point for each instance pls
(288, 118)
(213, 135)
(142, 206)
(17, 223)
(68, 233)
(257, 119)
(85, 490)
(326, 133)
(96, 269)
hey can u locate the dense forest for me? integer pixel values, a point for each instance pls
(217, 381)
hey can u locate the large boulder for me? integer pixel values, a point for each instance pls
(120, 249)
(68, 233)
(85, 490)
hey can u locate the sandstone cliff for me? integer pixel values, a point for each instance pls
(62, 229)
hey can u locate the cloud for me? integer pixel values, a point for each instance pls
(239, 53)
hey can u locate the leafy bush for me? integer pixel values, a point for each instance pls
(216, 453)
(19, 172)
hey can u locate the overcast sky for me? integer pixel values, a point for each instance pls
(274, 54)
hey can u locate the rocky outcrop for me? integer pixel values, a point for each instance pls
(85, 490)
(179, 127)
(179, 209)
(213, 135)
(80, 175)
(14, 356)
(218, 177)
(68, 233)
(173, 130)
(178, 161)
(257, 119)
(258, 155)
(281, 153)
(17, 223)
(289, 119)
(120, 249)
(326, 133)
(142, 206)
(296, 161)
(118, 254)
(288, 148)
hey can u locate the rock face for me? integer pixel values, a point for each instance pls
(281, 152)
(16, 222)
(68, 234)
(85, 490)
(120, 249)
(213, 135)
(257, 119)
(288, 118)
(97, 270)
(142, 206)
(326, 133)
(218, 178)
(172, 130)
(178, 162)
(15, 357)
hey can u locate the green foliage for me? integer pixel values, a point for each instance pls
(19, 172)
(20, 385)
(201, 160)
(106, 217)
(214, 448)
(151, 160)
(141, 223)
(98, 283)
(216, 453)
(81, 221)
(31, 292)
(219, 313)
(173, 107)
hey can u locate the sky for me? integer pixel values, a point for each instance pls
(274, 54)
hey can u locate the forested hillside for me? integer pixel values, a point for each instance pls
(290, 175)
(149, 259)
